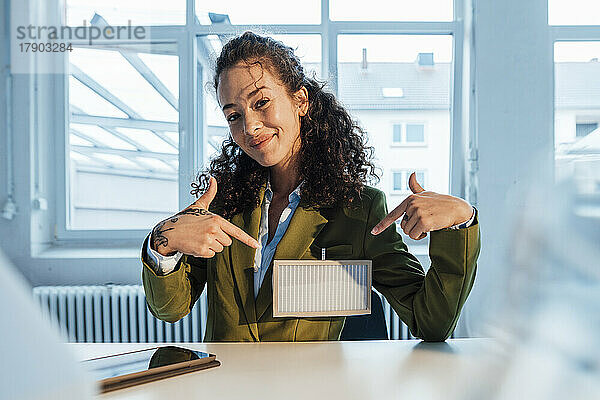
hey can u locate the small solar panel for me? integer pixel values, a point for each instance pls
(307, 288)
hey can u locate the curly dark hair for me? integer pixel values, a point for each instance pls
(334, 161)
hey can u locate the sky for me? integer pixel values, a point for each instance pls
(574, 12)
(379, 48)
(560, 12)
(263, 12)
(576, 51)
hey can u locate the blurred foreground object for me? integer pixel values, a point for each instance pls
(550, 324)
(35, 365)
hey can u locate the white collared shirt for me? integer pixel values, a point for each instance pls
(265, 252)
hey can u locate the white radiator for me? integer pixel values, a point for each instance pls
(116, 313)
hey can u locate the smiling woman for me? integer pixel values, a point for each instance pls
(294, 172)
(264, 121)
(264, 90)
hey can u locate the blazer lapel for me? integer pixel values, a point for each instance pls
(303, 229)
(242, 263)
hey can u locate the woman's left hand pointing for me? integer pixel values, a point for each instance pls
(426, 211)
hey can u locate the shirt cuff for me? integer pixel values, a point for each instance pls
(467, 223)
(162, 265)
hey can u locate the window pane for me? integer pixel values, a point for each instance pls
(383, 10)
(307, 47)
(577, 114)
(399, 181)
(123, 136)
(420, 175)
(238, 12)
(128, 83)
(85, 99)
(407, 49)
(415, 133)
(425, 97)
(397, 133)
(134, 12)
(582, 130)
(573, 12)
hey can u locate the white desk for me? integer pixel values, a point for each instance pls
(332, 370)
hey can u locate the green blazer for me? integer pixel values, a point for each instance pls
(429, 303)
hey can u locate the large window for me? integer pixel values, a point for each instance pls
(142, 117)
(577, 96)
(123, 136)
(401, 92)
(577, 114)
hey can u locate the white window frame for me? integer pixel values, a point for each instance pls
(191, 119)
(189, 137)
(403, 142)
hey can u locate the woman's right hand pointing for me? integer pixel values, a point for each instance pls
(196, 231)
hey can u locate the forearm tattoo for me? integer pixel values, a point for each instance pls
(158, 237)
(194, 211)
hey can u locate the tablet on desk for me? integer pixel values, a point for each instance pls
(137, 367)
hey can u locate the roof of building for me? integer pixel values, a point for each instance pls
(589, 144)
(577, 85)
(422, 88)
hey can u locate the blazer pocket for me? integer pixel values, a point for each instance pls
(336, 252)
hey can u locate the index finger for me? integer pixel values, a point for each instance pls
(238, 233)
(390, 218)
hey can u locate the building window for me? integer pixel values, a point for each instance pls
(397, 133)
(400, 180)
(415, 133)
(582, 130)
(409, 134)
